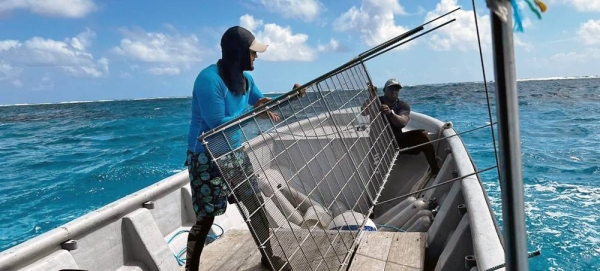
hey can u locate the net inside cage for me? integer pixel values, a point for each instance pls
(307, 180)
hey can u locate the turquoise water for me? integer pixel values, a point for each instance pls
(60, 161)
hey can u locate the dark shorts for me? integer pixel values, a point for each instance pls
(209, 186)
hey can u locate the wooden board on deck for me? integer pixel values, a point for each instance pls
(232, 251)
(236, 250)
(390, 251)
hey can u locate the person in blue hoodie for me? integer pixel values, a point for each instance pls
(222, 92)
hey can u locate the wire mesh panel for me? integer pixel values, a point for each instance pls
(306, 181)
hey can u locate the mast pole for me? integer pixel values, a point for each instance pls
(507, 107)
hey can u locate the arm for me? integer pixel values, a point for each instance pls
(399, 120)
(373, 95)
(256, 99)
(301, 93)
(255, 93)
(211, 101)
(400, 116)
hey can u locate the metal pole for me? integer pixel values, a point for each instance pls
(507, 107)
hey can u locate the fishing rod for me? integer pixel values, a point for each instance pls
(369, 54)
(394, 40)
(415, 37)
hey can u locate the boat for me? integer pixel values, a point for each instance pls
(326, 183)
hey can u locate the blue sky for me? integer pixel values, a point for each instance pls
(82, 50)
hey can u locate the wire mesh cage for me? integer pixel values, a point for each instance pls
(306, 181)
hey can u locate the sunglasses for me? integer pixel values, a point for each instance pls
(394, 88)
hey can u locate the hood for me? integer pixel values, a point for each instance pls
(235, 48)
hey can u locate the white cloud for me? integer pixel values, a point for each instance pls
(521, 43)
(589, 32)
(332, 46)
(579, 5)
(283, 44)
(527, 23)
(6, 45)
(460, 34)
(585, 5)
(82, 40)
(70, 55)
(167, 53)
(589, 55)
(8, 72)
(374, 21)
(52, 8)
(584, 60)
(306, 10)
(248, 22)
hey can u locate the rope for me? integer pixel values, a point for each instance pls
(390, 227)
(487, 95)
(533, 7)
(517, 16)
(179, 255)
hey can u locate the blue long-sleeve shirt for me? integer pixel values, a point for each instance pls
(212, 105)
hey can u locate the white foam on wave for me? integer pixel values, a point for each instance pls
(543, 188)
(558, 78)
(77, 102)
(96, 101)
(550, 231)
(26, 104)
(518, 80)
(556, 214)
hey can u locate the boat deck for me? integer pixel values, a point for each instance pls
(377, 251)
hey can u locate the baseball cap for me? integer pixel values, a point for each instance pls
(392, 82)
(240, 35)
(258, 47)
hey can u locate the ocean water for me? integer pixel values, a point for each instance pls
(61, 161)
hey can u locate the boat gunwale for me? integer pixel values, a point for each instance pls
(45, 244)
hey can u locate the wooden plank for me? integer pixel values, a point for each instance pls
(323, 250)
(234, 244)
(252, 262)
(236, 250)
(372, 252)
(407, 252)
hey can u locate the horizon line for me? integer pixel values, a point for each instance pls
(186, 97)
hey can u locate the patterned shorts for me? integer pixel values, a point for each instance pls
(209, 186)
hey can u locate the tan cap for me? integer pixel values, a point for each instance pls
(258, 47)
